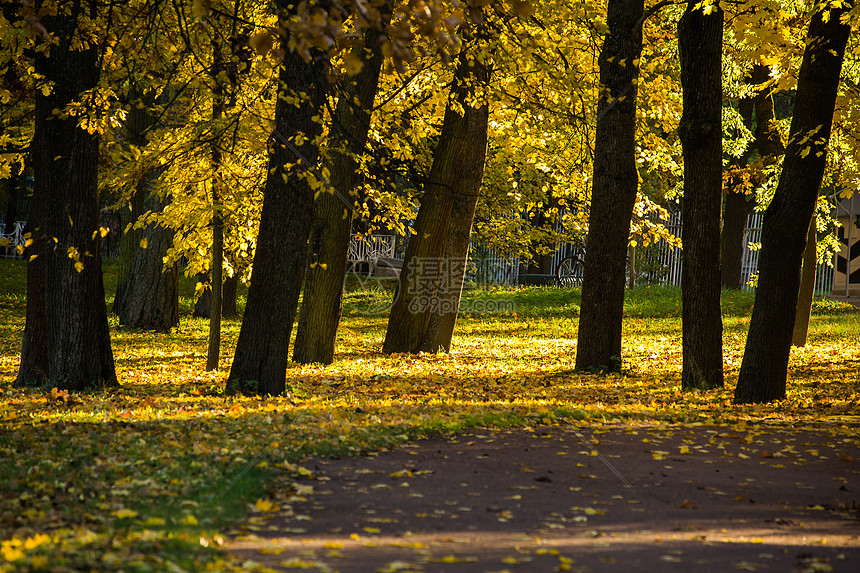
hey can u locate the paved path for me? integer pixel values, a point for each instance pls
(703, 499)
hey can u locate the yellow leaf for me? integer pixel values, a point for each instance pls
(265, 505)
(262, 43)
(124, 513)
(352, 63)
(200, 8)
(154, 521)
(79, 266)
(144, 243)
(11, 553)
(189, 520)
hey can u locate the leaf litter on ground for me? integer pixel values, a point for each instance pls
(148, 476)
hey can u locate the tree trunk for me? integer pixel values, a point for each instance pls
(216, 270)
(34, 352)
(700, 42)
(765, 364)
(614, 191)
(229, 293)
(151, 300)
(738, 205)
(328, 247)
(203, 304)
(65, 169)
(807, 288)
(262, 351)
(213, 351)
(440, 329)
(12, 199)
(139, 122)
(425, 306)
(737, 209)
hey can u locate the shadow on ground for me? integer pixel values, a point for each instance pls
(648, 498)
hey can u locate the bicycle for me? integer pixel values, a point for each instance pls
(571, 269)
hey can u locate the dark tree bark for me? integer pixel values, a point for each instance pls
(203, 304)
(65, 169)
(139, 122)
(738, 205)
(428, 294)
(12, 185)
(216, 290)
(440, 329)
(151, 300)
(765, 364)
(322, 301)
(700, 42)
(613, 192)
(807, 288)
(230, 292)
(34, 351)
(262, 351)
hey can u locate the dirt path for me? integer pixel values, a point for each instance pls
(703, 499)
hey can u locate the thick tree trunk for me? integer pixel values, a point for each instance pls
(428, 294)
(129, 243)
(229, 294)
(262, 351)
(440, 329)
(807, 288)
(139, 122)
(151, 299)
(738, 205)
(700, 42)
(65, 169)
(614, 190)
(34, 351)
(765, 364)
(322, 301)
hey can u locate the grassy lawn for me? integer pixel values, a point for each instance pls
(151, 476)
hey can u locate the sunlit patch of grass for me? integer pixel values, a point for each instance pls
(164, 463)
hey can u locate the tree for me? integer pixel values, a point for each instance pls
(742, 176)
(700, 39)
(807, 288)
(428, 293)
(738, 203)
(262, 351)
(139, 122)
(151, 298)
(614, 189)
(320, 312)
(34, 352)
(764, 368)
(65, 170)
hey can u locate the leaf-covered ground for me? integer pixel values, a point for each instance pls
(150, 476)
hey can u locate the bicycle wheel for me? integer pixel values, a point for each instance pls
(569, 272)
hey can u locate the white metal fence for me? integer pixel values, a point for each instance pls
(659, 263)
(15, 236)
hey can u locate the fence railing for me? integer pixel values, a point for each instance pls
(15, 236)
